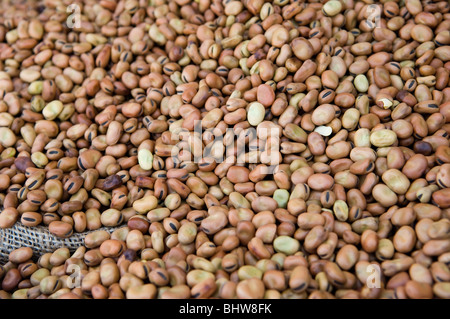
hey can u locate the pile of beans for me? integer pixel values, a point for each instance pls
(98, 100)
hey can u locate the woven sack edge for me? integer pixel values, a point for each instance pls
(39, 239)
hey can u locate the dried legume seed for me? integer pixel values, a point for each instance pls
(339, 157)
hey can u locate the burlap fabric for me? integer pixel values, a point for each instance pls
(39, 239)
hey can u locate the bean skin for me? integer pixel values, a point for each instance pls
(237, 149)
